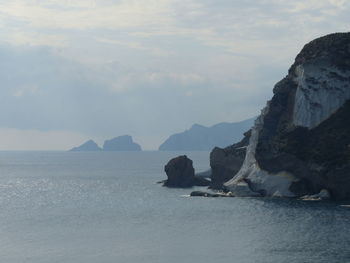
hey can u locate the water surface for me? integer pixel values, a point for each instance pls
(105, 207)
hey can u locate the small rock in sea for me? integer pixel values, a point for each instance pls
(180, 173)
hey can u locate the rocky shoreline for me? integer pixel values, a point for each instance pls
(299, 147)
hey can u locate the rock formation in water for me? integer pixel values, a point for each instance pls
(201, 138)
(180, 173)
(121, 143)
(300, 144)
(226, 162)
(88, 146)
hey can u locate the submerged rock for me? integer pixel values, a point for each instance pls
(180, 173)
(299, 144)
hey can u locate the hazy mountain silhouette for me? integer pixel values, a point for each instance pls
(87, 146)
(201, 138)
(121, 143)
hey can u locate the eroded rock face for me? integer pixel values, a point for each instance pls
(180, 173)
(300, 143)
(226, 162)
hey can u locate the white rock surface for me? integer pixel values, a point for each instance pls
(321, 92)
(271, 184)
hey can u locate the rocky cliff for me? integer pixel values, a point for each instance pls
(300, 144)
(226, 162)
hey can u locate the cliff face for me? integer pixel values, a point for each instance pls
(226, 162)
(300, 143)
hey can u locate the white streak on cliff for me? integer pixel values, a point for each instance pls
(271, 184)
(321, 91)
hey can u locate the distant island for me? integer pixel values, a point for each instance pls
(88, 146)
(201, 138)
(121, 143)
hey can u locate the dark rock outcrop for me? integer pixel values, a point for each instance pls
(206, 194)
(225, 163)
(121, 143)
(320, 157)
(300, 142)
(201, 138)
(88, 146)
(180, 173)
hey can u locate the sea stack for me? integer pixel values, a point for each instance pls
(180, 173)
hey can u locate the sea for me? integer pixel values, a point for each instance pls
(106, 207)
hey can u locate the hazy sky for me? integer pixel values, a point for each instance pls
(72, 70)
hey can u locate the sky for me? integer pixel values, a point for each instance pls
(73, 70)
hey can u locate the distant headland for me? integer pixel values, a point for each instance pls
(201, 138)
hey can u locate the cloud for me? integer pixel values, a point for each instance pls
(325, 6)
(25, 140)
(137, 45)
(241, 28)
(89, 15)
(45, 92)
(25, 90)
(149, 67)
(36, 39)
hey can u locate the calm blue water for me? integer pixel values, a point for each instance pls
(106, 207)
